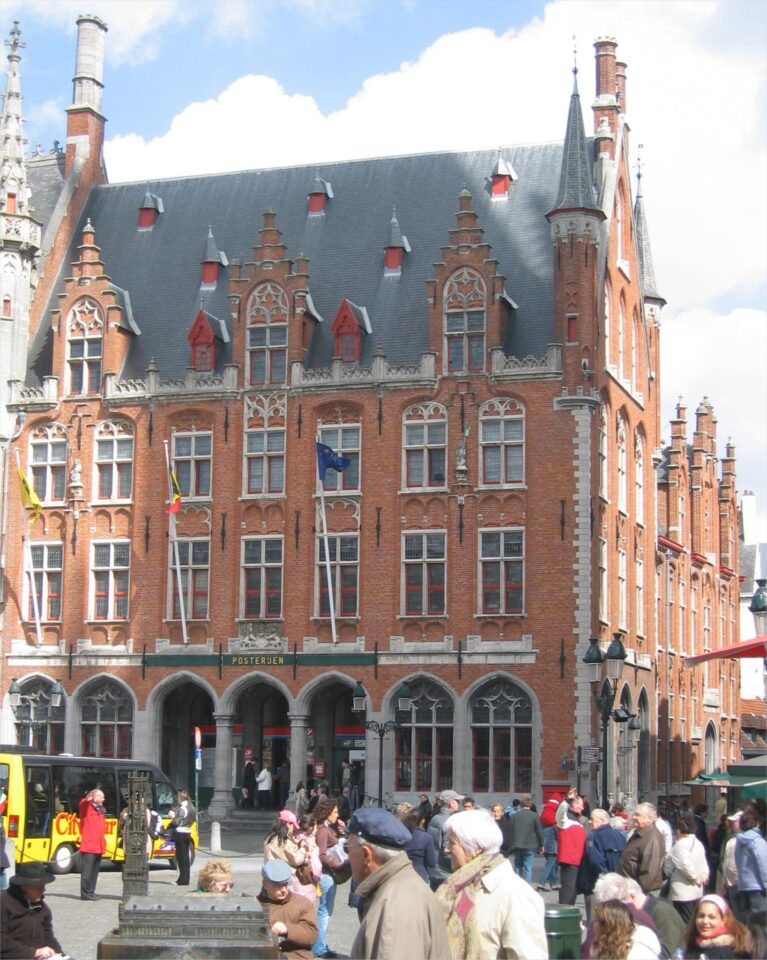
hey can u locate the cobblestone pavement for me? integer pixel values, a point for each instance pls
(79, 925)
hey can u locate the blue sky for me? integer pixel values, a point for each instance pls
(194, 87)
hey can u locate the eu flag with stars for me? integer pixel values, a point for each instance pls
(327, 458)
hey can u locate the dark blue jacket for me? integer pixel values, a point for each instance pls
(602, 855)
(422, 853)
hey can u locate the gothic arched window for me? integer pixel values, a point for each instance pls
(268, 334)
(424, 750)
(85, 332)
(465, 301)
(106, 725)
(38, 723)
(502, 738)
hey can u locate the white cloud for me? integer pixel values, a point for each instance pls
(46, 115)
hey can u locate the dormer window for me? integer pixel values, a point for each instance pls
(151, 207)
(320, 192)
(213, 258)
(206, 329)
(347, 327)
(465, 301)
(502, 177)
(394, 252)
(85, 331)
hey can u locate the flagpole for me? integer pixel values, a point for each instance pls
(28, 564)
(174, 542)
(328, 572)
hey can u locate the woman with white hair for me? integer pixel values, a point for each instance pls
(491, 912)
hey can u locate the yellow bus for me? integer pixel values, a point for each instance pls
(40, 808)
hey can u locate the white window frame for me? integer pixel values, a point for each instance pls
(639, 478)
(603, 456)
(188, 562)
(265, 567)
(43, 574)
(337, 567)
(426, 563)
(49, 470)
(114, 571)
(509, 415)
(639, 593)
(622, 588)
(604, 589)
(191, 482)
(431, 420)
(268, 309)
(464, 297)
(345, 439)
(117, 462)
(85, 325)
(505, 561)
(622, 465)
(682, 631)
(272, 455)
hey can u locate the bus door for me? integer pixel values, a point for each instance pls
(38, 815)
(75, 778)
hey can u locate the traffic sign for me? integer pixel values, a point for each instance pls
(197, 738)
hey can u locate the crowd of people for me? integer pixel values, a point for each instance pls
(451, 881)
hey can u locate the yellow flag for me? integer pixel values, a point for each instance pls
(28, 496)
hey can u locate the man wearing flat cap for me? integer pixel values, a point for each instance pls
(292, 918)
(403, 917)
(26, 923)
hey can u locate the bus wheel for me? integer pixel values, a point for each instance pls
(63, 859)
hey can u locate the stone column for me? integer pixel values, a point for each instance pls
(299, 724)
(221, 802)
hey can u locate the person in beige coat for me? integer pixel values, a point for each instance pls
(687, 869)
(403, 917)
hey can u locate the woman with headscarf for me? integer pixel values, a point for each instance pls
(714, 932)
(491, 912)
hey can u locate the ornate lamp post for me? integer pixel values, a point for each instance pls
(359, 705)
(613, 661)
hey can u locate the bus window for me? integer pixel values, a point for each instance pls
(77, 779)
(38, 801)
(166, 797)
(122, 782)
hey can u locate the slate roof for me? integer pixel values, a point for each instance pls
(160, 268)
(45, 176)
(644, 252)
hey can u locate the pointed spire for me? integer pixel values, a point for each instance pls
(13, 174)
(395, 234)
(646, 269)
(576, 190)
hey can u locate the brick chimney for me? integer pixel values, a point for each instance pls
(85, 121)
(606, 105)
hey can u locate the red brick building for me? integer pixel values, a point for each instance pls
(478, 334)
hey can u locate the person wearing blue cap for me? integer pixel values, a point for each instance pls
(292, 918)
(403, 917)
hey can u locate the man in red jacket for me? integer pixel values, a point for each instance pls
(93, 829)
(571, 840)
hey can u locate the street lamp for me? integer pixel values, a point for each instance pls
(359, 703)
(613, 661)
(758, 607)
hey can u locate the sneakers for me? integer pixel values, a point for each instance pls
(543, 887)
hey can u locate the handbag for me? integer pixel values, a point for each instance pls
(342, 874)
(305, 875)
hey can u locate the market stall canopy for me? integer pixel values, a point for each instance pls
(749, 776)
(748, 648)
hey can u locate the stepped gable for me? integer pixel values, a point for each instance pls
(160, 269)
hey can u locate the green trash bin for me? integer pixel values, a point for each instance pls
(563, 932)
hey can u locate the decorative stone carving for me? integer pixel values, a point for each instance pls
(259, 635)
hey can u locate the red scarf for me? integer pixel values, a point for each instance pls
(720, 931)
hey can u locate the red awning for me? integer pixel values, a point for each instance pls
(748, 648)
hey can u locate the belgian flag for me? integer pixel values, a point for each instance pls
(175, 504)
